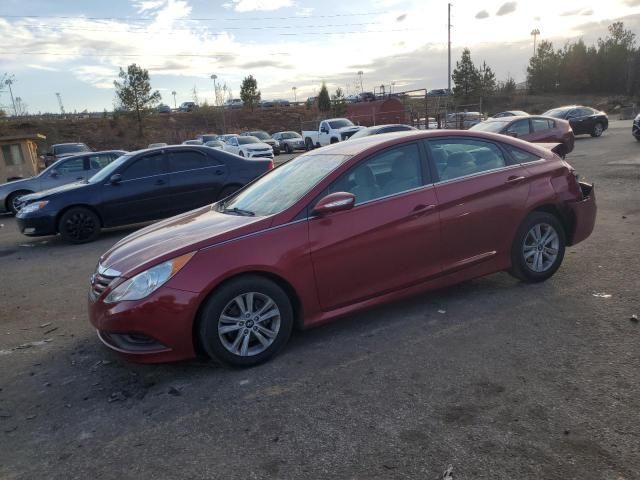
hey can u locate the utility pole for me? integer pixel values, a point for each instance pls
(360, 73)
(60, 102)
(9, 82)
(174, 99)
(295, 96)
(535, 32)
(446, 110)
(215, 96)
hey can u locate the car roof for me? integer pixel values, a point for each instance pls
(356, 146)
(68, 143)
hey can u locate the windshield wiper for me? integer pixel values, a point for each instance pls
(239, 211)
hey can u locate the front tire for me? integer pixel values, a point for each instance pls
(79, 225)
(14, 198)
(308, 144)
(288, 149)
(538, 248)
(246, 321)
(598, 128)
(241, 153)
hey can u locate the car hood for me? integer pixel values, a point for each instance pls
(34, 197)
(353, 128)
(176, 236)
(258, 146)
(20, 183)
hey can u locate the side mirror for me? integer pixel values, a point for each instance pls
(55, 174)
(334, 202)
(115, 179)
(513, 134)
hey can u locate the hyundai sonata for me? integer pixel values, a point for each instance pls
(336, 230)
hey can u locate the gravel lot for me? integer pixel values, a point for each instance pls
(497, 379)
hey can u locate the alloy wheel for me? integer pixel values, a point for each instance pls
(80, 226)
(540, 247)
(249, 324)
(16, 203)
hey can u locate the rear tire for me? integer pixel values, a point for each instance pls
(308, 144)
(598, 128)
(234, 333)
(11, 200)
(538, 248)
(79, 225)
(288, 149)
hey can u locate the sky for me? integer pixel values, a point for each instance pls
(76, 47)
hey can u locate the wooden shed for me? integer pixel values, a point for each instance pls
(380, 112)
(18, 156)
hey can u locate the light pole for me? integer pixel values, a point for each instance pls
(295, 95)
(393, 84)
(534, 33)
(174, 99)
(360, 73)
(215, 96)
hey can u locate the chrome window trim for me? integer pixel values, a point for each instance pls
(397, 194)
(480, 174)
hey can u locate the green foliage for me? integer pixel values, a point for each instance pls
(324, 102)
(339, 102)
(508, 87)
(133, 92)
(249, 92)
(610, 66)
(466, 76)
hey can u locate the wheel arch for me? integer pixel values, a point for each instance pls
(560, 213)
(8, 197)
(294, 298)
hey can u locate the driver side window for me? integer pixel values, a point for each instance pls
(324, 127)
(387, 173)
(521, 128)
(71, 166)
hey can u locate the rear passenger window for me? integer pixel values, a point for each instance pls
(455, 158)
(71, 166)
(96, 162)
(387, 173)
(540, 124)
(521, 156)
(189, 160)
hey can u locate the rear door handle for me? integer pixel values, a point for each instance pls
(160, 182)
(515, 179)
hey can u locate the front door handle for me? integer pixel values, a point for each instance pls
(422, 209)
(514, 179)
(160, 182)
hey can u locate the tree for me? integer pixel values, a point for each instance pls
(486, 81)
(133, 92)
(544, 69)
(465, 76)
(249, 92)
(324, 102)
(339, 102)
(194, 95)
(508, 87)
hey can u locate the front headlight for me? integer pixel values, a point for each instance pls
(33, 207)
(147, 282)
(276, 143)
(637, 118)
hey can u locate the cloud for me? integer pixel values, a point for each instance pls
(578, 11)
(507, 8)
(42, 67)
(632, 3)
(148, 5)
(401, 17)
(257, 5)
(482, 14)
(96, 75)
(263, 64)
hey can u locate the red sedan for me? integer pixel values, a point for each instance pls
(336, 230)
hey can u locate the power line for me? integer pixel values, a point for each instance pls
(217, 19)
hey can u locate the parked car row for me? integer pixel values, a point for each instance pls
(335, 230)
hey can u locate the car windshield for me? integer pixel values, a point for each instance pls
(107, 171)
(365, 132)
(246, 140)
(555, 113)
(260, 135)
(288, 135)
(489, 126)
(284, 186)
(340, 123)
(60, 149)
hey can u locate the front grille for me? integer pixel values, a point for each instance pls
(99, 283)
(262, 155)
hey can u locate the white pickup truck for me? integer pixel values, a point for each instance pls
(329, 131)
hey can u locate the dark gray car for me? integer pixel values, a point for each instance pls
(66, 170)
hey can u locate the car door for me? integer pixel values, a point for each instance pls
(233, 145)
(195, 179)
(389, 240)
(579, 120)
(542, 130)
(141, 192)
(66, 171)
(323, 133)
(480, 194)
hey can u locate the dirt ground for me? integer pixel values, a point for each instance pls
(493, 378)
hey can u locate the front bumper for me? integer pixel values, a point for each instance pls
(297, 146)
(635, 130)
(156, 329)
(583, 214)
(36, 225)
(260, 155)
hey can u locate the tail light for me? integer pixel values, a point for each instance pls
(270, 167)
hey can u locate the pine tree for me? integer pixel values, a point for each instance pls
(465, 76)
(133, 92)
(249, 92)
(324, 102)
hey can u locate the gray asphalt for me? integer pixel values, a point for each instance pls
(493, 378)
